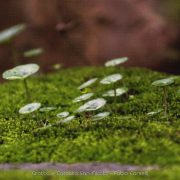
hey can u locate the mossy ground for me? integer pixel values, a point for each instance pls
(128, 137)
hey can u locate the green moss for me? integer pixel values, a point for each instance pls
(129, 137)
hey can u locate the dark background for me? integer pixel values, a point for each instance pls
(90, 32)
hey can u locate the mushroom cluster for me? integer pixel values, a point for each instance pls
(22, 72)
(89, 104)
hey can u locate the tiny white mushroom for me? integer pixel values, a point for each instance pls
(111, 79)
(33, 52)
(57, 66)
(29, 108)
(115, 62)
(87, 83)
(8, 34)
(163, 82)
(83, 97)
(62, 114)
(21, 72)
(44, 127)
(100, 116)
(92, 105)
(154, 112)
(131, 97)
(68, 119)
(119, 92)
(47, 109)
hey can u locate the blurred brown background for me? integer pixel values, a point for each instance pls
(90, 32)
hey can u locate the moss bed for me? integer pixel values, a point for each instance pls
(128, 137)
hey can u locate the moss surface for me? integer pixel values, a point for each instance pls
(128, 137)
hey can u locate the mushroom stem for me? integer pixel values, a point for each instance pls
(115, 97)
(26, 89)
(165, 102)
(46, 119)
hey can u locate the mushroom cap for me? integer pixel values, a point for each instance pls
(8, 34)
(68, 119)
(83, 97)
(29, 108)
(33, 52)
(21, 72)
(152, 113)
(47, 109)
(92, 105)
(87, 83)
(116, 62)
(163, 82)
(119, 92)
(57, 66)
(111, 79)
(62, 114)
(100, 116)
